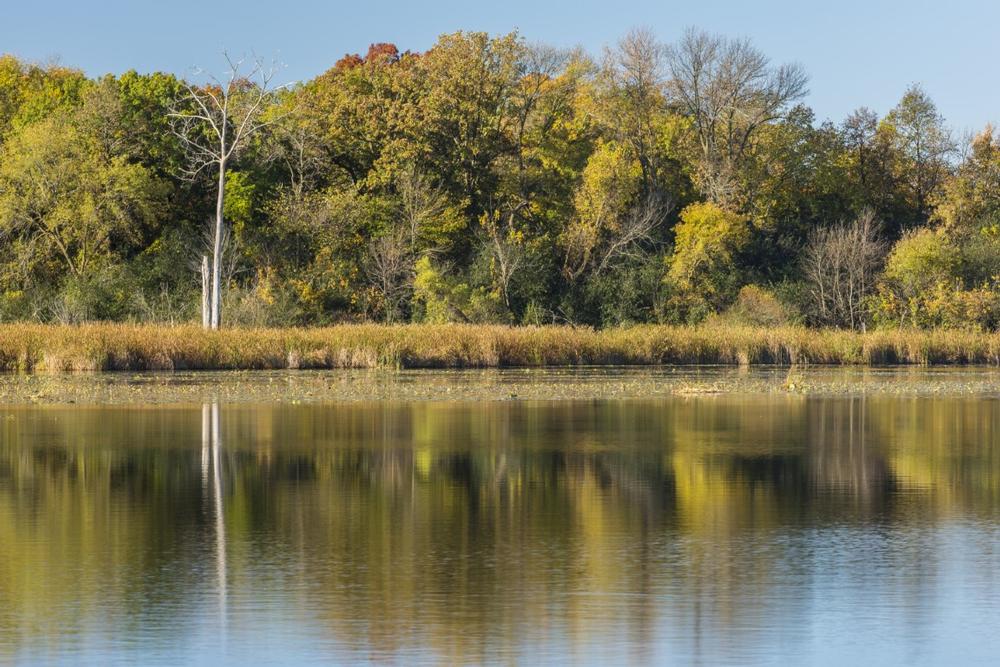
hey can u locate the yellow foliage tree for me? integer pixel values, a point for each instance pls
(610, 184)
(702, 270)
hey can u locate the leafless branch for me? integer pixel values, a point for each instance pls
(841, 264)
(636, 230)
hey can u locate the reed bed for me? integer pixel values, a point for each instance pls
(110, 347)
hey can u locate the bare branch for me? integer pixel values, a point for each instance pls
(636, 230)
(729, 89)
(840, 265)
(203, 120)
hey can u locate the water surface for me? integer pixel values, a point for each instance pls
(771, 528)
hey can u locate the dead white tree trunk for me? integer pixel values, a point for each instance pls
(206, 301)
(216, 303)
(214, 122)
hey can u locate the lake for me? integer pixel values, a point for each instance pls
(755, 526)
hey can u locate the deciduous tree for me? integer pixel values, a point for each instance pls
(215, 122)
(730, 90)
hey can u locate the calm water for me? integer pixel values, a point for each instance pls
(720, 529)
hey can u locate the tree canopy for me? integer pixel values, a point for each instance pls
(494, 179)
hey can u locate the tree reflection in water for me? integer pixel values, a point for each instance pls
(461, 532)
(212, 442)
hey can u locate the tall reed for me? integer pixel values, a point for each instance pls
(101, 347)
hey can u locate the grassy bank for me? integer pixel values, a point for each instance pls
(97, 347)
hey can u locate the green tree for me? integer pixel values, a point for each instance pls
(924, 146)
(924, 285)
(65, 203)
(970, 200)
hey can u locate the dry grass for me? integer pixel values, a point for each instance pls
(99, 347)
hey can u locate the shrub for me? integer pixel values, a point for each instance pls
(756, 306)
(438, 299)
(840, 266)
(923, 286)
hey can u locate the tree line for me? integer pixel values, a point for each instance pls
(490, 179)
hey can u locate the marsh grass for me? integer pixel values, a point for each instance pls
(103, 347)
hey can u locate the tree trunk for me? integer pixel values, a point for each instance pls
(206, 301)
(217, 250)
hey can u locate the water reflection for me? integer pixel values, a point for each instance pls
(211, 440)
(715, 530)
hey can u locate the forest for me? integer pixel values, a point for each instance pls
(494, 180)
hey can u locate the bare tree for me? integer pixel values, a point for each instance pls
(841, 264)
(636, 230)
(730, 90)
(389, 269)
(633, 76)
(214, 122)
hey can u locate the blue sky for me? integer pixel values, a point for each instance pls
(857, 52)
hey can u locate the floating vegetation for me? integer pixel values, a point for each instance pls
(549, 384)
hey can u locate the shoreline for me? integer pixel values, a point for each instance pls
(29, 348)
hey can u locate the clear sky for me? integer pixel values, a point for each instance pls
(857, 52)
